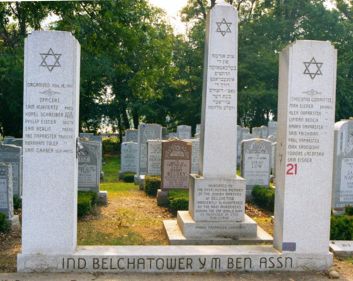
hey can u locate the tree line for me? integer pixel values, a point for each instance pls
(134, 69)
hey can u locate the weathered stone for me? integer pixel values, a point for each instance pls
(12, 154)
(154, 157)
(184, 132)
(176, 164)
(129, 157)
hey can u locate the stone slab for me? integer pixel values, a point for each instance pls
(171, 259)
(217, 199)
(103, 197)
(176, 237)
(216, 229)
(341, 248)
(162, 197)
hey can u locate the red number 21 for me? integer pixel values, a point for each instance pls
(292, 169)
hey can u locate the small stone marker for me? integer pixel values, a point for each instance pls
(239, 139)
(89, 166)
(256, 163)
(342, 182)
(146, 132)
(129, 157)
(306, 111)
(184, 132)
(341, 248)
(154, 157)
(12, 154)
(50, 131)
(176, 164)
(131, 135)
(195, 155)
(6, 191)
(256, 132)
(272, 128)
(264, 132)
(198, 129)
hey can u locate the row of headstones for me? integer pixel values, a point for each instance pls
(257, 163)
(11, 162)
(182, 132)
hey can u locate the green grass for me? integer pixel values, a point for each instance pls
(111, 168)
(118, 187)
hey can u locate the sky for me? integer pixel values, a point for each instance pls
(172, 8)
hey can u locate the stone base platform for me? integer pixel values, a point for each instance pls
(171, 259)
(185, 231)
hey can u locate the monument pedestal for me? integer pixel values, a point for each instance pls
(216, 215)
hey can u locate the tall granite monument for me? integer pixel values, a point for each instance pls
(306, 114)
(50, 133)
(216, 195)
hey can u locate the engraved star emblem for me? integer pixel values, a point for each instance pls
(50, 60)
(313, 68)
(223, 27)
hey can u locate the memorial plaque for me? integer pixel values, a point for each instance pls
(306, 113)
(12, 154)
(129, 157)
(184, 132)
(89, 166)
(146, 132)
(154, 157)
(256, 162)
(6, 194)
(50, 131)
(176, 164)
(342, 182)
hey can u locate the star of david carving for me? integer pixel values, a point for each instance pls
(50, 60)
(313, 68)
(223, 27)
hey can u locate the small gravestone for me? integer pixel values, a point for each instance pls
(264, 131)
(195, 155)
(272, 128)
(198, 129)
(131, 135)
(256, 163)
(154, 157)
(6, 191)
(129, 157)
(12, 154)
(184, 132)
(145, 132)
(165, 134)
(273, 158)
(89, 166)
(176, 164)
(239, 139)
(342, 182)
(342, 248)
(8, 139)
(172, 135)
(98, 139)
(256, 132)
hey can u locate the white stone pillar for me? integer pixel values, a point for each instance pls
(306, 112)
(50, 131)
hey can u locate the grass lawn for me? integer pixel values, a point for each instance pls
(130, 218)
